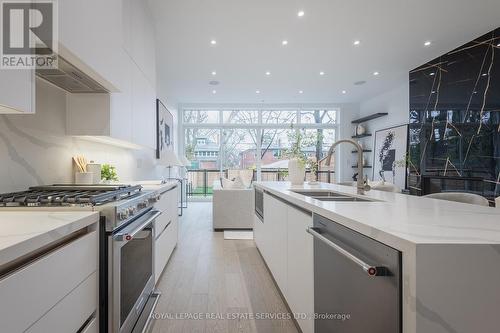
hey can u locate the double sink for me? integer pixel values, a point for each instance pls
(329, 196)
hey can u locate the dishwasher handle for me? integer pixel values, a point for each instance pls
(371, 270)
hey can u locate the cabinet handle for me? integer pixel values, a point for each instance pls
(163, 230)
(371, 270)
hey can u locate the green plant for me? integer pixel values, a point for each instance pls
(108, 172)
(299, 139)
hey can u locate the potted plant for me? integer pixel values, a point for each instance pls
(297, 159)
(108, 173)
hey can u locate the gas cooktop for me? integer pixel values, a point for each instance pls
(68, 195)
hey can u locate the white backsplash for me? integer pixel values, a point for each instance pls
(34, 149)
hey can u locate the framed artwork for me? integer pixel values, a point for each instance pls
(164, 130)
(389, 160)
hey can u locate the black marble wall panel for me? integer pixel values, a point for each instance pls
(455, 120)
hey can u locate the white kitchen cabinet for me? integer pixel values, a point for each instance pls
(300, 268)
(166, 229)
(17, 91)
(275, 225)
(91, 31)
(39, 286)
(143, 110)
(258, 233)
(139, 37)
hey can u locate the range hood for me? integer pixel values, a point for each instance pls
(70, 78)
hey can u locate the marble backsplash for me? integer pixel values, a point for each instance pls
(34, 149)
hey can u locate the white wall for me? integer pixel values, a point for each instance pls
(396, 103)
(34, 149)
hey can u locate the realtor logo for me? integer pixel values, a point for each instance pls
(28, 34)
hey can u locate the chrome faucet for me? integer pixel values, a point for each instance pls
(360, 182)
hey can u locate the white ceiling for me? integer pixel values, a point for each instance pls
(249, 36)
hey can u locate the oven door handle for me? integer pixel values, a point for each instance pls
(130, 231)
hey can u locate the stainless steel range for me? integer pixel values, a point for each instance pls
(126, 272)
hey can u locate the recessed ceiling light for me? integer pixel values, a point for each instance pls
(214, 91)
(484, 74)
(432, 74)
(344, 92)
(428, 43)
(498, 45)
(433, 92)
(359, 83)
(214, 73)
(301, 92)
(285, 42)
(321, 73)
(356, 42)
(213, 42)
(300, 13)
(268, 73)
(376, 73)
(257, 91)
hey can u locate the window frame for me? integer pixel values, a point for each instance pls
(259, 126)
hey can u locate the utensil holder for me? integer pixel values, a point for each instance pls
(84, 178)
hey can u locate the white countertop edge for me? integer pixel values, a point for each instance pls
(29, 244)
(395, 239)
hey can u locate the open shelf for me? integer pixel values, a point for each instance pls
(364, 151)
(361, 136)
(365, 166)
(370, 117)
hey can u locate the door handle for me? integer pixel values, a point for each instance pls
(371, 270)
(129, 232)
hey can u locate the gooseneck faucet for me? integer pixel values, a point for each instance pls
(360, 182)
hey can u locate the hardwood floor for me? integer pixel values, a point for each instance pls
(226, 279)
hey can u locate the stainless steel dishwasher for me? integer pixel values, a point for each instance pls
(357, 281)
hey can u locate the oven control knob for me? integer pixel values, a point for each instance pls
(132, 211)
(123, 215)
(142, 205)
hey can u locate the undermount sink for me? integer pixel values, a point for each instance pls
(330, 196)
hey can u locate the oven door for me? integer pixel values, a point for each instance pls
(131, 271)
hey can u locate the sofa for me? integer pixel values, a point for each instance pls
(232, 208)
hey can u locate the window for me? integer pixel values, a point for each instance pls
(241, 117)
(318, 117)
(201, 116)
(279, 117)
(221, 142)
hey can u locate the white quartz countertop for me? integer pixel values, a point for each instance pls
(156, 185)
(22, 232)
(399, 220)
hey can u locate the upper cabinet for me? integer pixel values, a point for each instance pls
(91, 31)
(139, 37)
(17, 91)
(118, 43)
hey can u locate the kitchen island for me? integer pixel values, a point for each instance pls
(450, 252)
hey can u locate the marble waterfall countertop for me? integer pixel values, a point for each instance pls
(450, 252)
(396, 219)
(22, 232)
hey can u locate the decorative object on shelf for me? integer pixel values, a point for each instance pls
(108, 173)
(390, 146)
(360, 130)
(370, 117)
(95, 169)
(164, 130)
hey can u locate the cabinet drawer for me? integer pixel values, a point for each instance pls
(33, 290)
(164, 246)
(70, 314)
(168, 200)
